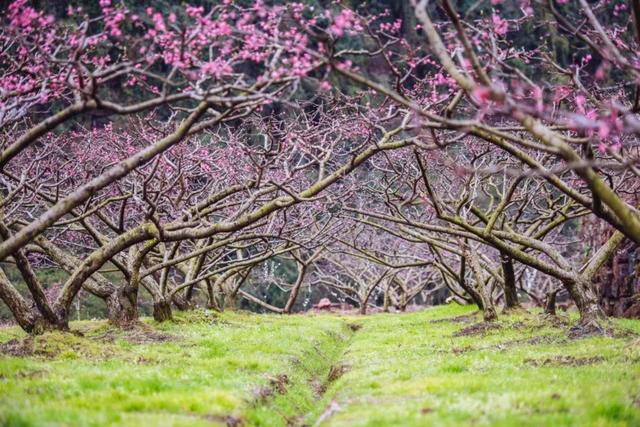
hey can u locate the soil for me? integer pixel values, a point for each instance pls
(564, 361)
(276, 385)
(465, 318)
(18, 347)
(480, 328)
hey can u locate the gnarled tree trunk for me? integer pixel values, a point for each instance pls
(28, 318)
(123, 307)
(591, 315)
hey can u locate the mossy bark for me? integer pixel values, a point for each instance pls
(592, 317)
(123, 307)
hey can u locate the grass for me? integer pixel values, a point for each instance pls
(434, 367)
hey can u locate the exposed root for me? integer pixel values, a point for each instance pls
(232, 421)
(592, 328)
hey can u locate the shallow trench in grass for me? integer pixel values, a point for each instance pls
(299, 397)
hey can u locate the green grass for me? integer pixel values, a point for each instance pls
(268, 370)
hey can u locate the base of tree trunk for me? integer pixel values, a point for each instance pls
(122, 312)
(589, 328)
(38, 326)
(632, 312)
(592, 318)
(489, 314)
(162, 311)
(592, 323)
(550, 302)
(633, 309)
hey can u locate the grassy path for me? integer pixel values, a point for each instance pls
(422, 369)
(435, 367)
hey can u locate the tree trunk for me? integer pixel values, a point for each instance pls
(591, 315)
(189, 293)
(27, 318)
(550, 302)
(162, 311)
(510, 291)
(489, 312)
(618, 285)
(180, 302)
(123, 307)
(229, 302)
(211, 297)
(363, 308)
(468, 289)
(295, 290)
(385, 303)
(404, 301)
(97, 284)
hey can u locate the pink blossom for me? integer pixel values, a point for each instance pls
(501, 26)
(344, 21)
(325, 85)
(482, 94)
(217, 68)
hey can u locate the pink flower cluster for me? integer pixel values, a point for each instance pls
(500, 26)
(25, 18)
(345, 21)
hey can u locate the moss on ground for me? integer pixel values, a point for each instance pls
(435, 367)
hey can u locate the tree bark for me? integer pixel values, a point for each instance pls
(468, 289)
(295, 290)
(363, 308)
(29, 319)
(385, 303)
(591, 315)
(97, 284)
(489, 312)
(123, 307)
(550, 302)
(30, 278)
(510, 291)
(162, 311)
